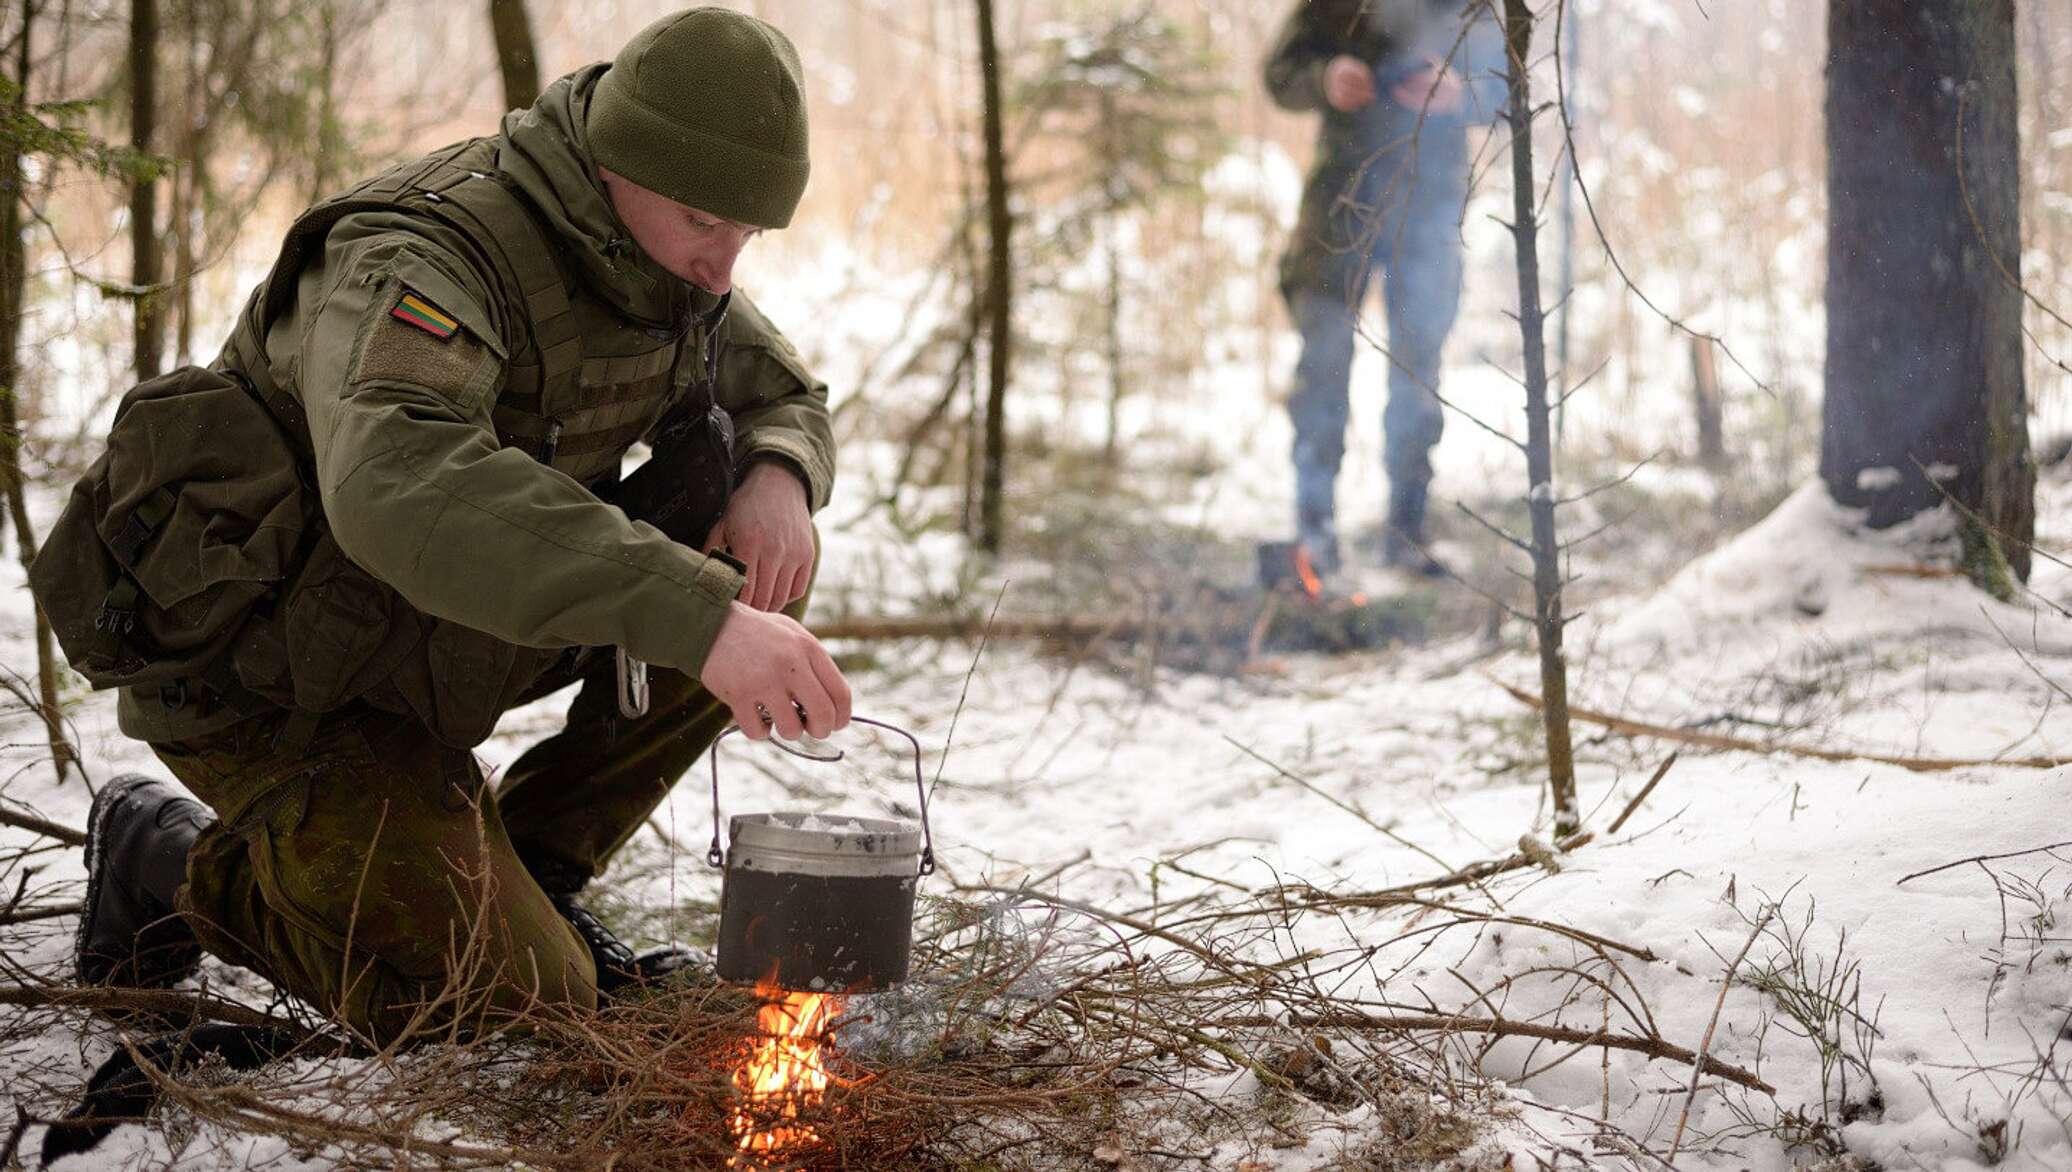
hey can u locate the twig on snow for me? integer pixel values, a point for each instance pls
(1661, 771)
(1637, 728)
(1705, 1046)
(1983, 859)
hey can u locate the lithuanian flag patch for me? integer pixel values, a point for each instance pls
(425, 316)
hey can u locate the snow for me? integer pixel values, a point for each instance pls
(1805, 630)
(1966, 972)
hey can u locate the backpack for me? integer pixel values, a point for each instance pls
(192, 517)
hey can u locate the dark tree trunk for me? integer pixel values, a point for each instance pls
(1924, 306)
(514, 52)
(1539, 440)
(999, 291)
(13, 286)
(146, 250)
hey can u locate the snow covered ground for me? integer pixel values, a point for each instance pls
(1925, 1019)
(1938, 1006)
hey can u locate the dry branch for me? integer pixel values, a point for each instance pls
(1661, 771)
(1638, 728)
(163, 1002)
(1705, 1044)
(974, 627)
(1504, 1028)
(30, 915)
(42, 826)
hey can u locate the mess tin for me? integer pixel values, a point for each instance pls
(819, 902)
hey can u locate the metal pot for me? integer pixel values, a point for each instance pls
(819, 902)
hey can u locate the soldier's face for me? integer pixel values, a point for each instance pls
(694, 245)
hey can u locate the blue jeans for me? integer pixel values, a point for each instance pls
(1410, 235)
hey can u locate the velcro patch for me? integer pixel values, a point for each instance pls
(417, 311)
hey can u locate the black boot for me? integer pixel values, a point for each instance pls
(137, 837)
(617, 966)
(1403, 544)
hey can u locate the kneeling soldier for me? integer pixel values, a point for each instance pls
(392, 510)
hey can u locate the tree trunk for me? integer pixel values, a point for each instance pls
(1925, 389)
(187, 196)
(514, 52)
(999, 291)
(326, 159)
(1706, 403)
(146, 259)
(1539, 447)
(13, 288)
(1111, 247)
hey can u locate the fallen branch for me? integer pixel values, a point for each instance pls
(1683, 1119)
(164, 1002)
(1661, 771)
(30, 915)
(975, 627)
(1637, 728)
(42, 826)
(1476, 872)
(1653, 1047)
(1983, 859)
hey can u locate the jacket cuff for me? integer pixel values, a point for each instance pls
(800, 457)
(715, 583)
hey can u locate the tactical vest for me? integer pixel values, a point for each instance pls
(581, 384)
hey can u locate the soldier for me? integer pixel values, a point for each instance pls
(1398, 83)
(412, 436)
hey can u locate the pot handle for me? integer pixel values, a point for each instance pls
(715, 857)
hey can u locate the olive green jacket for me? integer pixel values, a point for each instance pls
(413, 483)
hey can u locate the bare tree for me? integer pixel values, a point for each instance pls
(146, 249)
(1925, 387)
(1545, 546)
(999, 290)
(24, 133)
(512, 27)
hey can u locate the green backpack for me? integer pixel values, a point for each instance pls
(190, 518)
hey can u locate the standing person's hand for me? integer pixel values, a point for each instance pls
(1348, 84)
(775, 676)
(769, 529)
(1435, 88)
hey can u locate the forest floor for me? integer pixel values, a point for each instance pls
(1887, 949)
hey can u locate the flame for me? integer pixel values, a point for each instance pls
(1307, 571)
(785, 1074)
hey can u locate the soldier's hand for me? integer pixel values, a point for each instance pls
(768, 527)
(1435, 88)
(1348, 84)
(775, 676)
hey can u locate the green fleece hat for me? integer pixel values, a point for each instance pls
(706, 107)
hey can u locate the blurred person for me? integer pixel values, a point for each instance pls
(401, 481)
(1398, 83)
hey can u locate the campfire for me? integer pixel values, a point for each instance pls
(784, 1076)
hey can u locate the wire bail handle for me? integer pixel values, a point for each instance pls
(715, 857)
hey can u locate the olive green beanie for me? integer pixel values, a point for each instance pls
(706, 107)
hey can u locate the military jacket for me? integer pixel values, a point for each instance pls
(1375, 159)
(459, 408)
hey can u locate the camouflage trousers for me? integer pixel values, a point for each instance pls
(376, 875)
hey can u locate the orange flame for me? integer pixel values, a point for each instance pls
(784, 1076)
(1307, 571)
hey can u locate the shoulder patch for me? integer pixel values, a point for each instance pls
(418, 311)
(415, 342)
